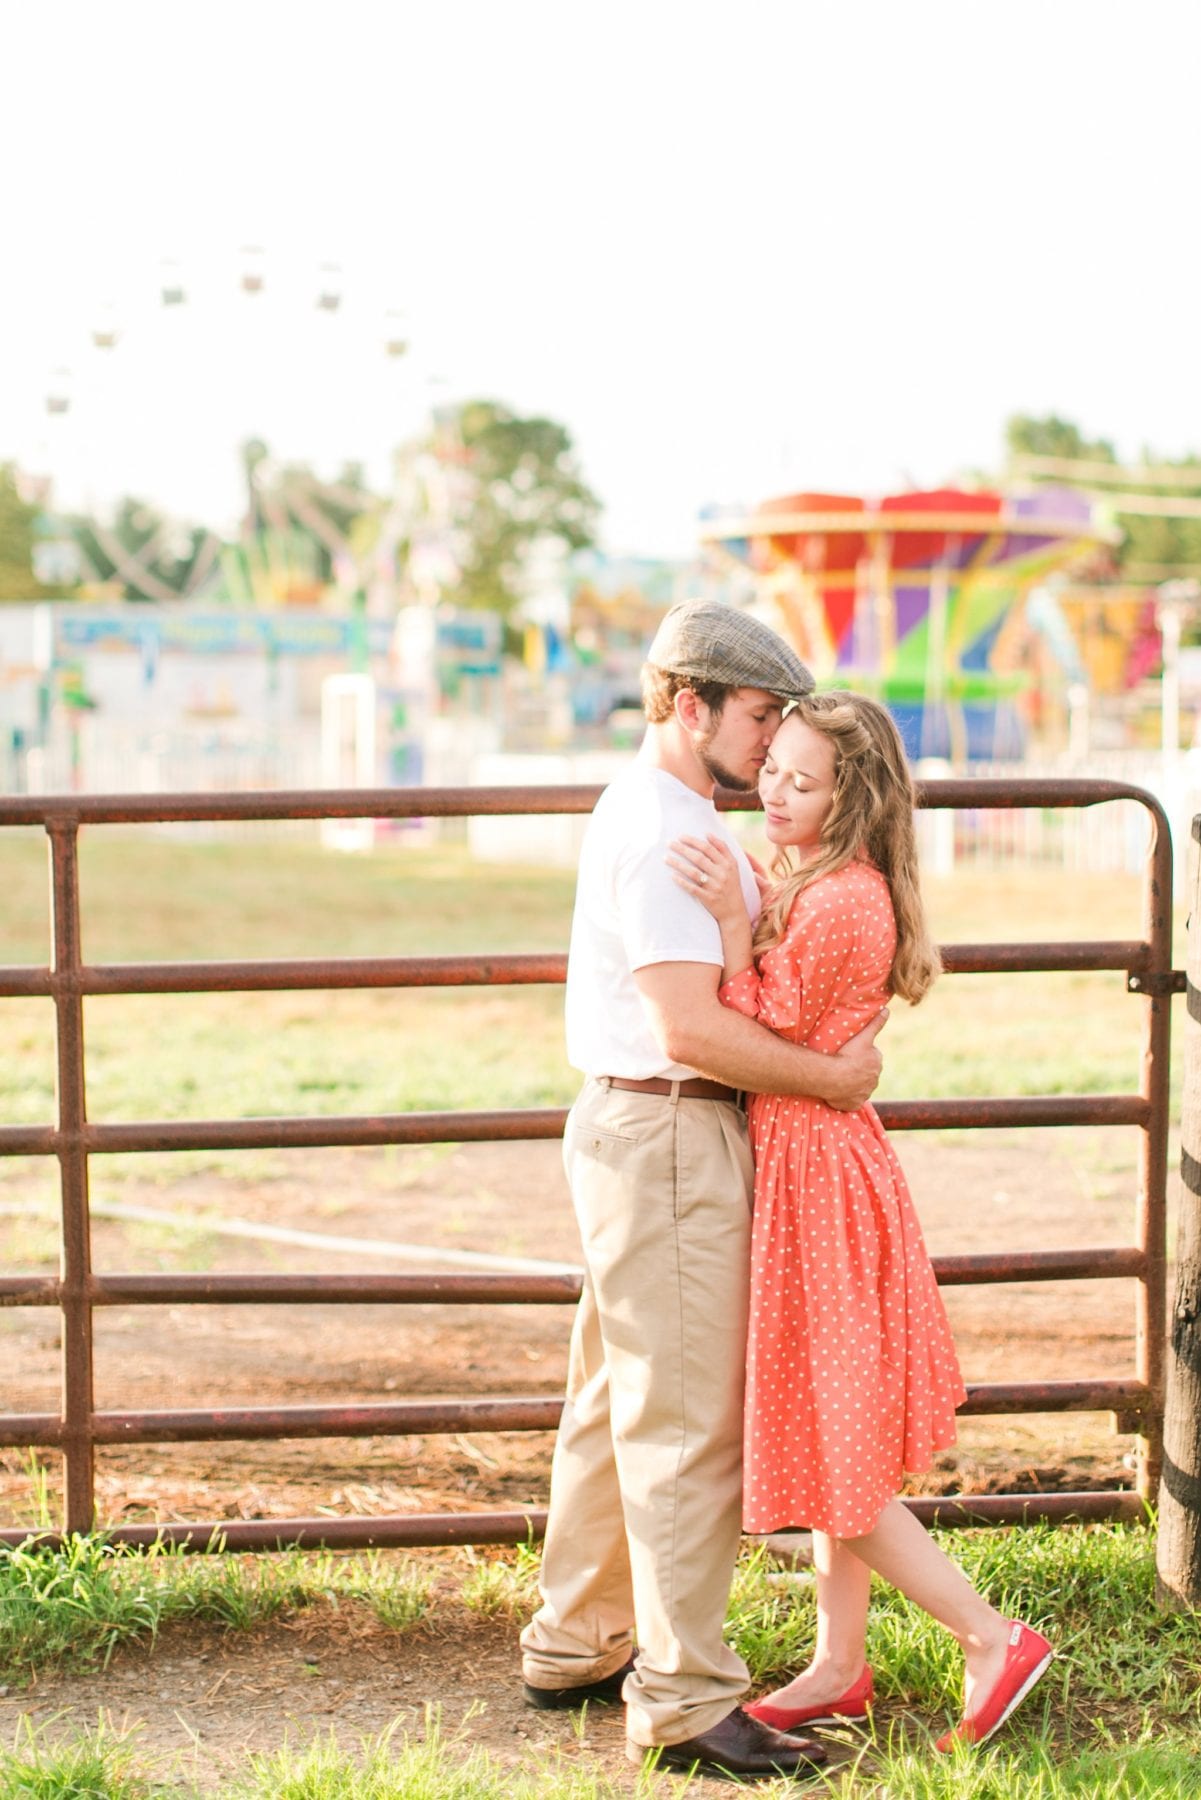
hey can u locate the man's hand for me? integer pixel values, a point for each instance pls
(858, 1066)
(692, 1027)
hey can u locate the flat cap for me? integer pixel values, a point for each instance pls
(712, 641)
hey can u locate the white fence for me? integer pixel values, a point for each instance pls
(1091, 840)
(1095, 840)
(170, 763)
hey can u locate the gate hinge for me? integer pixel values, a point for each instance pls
(1155, 987)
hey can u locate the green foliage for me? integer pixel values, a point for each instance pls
(1110, 1769)
(520, 487)
(770, 1616)
(434, 1766)
(237, 1593)
(400, 1595)
(71, 1608)
(145, 554)
(1152, 547)
(18, 521)
(1157, 547)
(98, 1765)
(1026, 435)
(74, 1605)
(502, 1586)
(502, 486)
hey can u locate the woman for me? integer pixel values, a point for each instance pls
(852, 1373)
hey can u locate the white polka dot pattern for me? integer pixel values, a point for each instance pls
(852, 1377)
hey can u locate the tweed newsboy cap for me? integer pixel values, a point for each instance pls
(714, 642)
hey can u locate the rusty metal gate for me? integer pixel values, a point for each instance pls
(76, 1431)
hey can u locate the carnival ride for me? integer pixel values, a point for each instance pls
(301, 537)
(914, 598)
(324, 584)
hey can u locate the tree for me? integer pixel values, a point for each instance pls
(514, 485)
(1161, 529)
(18, 534)
(1026, 435)
(149, 556)
(1160, 549)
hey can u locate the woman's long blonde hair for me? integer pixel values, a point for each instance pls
(871, 816)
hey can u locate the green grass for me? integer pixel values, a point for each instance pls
(502, 1586)
(1117, 1716)
(73, 1608)
(271, 896)
(100, 1764)
(432, 1766)
(239, 1055)
(1112, 1769)
(440, 1766)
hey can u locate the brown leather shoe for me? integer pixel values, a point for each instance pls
(737, 1745)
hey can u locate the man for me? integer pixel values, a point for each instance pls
(645, 1511)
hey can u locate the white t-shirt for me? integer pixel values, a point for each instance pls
(629, 913)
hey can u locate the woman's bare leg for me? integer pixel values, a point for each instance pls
(843, 1584)
(903, 1552)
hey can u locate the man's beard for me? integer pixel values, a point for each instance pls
(717, 771)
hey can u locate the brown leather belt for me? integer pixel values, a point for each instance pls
(695, 1088)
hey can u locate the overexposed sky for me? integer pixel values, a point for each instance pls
(736, 249)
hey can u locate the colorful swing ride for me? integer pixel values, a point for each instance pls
(915, 598)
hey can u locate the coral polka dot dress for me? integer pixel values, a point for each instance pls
(852, 1377)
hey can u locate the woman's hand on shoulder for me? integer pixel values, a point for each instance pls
(706, 869)
(763, 880)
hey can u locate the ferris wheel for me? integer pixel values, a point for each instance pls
(108, 325)
(196, 337)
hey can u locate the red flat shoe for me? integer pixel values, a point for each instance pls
(854, 1705)
(1028, 1657)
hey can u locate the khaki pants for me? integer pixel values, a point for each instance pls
(646, 1488)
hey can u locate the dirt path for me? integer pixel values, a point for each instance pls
(203, 1700)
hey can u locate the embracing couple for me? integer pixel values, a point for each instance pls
(760, 1342)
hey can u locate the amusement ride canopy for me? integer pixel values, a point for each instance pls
(908, 597)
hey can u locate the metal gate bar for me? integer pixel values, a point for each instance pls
(78, 1428)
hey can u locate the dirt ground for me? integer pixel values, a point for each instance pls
(208, 1697)
(204, 1700)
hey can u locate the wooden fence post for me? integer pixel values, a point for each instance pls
(1178, 1543)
